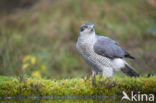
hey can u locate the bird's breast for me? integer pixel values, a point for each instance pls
(85, 49)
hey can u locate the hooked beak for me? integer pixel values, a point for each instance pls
(91, 27)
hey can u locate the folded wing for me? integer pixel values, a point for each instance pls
(107, 47)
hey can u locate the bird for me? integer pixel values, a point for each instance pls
(102, 54)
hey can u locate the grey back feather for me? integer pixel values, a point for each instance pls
(109, 48)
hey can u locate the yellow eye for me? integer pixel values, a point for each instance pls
(85, 27)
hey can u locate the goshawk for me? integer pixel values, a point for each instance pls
(102, 54)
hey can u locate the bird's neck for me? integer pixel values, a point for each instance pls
(87, 36)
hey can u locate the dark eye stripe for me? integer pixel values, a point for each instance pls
(92, 29)
(81, 29)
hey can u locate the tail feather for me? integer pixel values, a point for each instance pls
(129, 70)
(129, 56)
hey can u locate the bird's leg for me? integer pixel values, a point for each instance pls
(100, 75)
(93, 73)
(93, 78)
(103, 74)
(107, 74)
(87, 77)
(94, 81)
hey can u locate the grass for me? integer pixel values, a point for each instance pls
(48, 30)
(13, 87)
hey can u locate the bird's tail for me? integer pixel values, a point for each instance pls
(129, 70)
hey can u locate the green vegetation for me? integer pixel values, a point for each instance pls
(48, 29)
(65, 100)
(13, 87)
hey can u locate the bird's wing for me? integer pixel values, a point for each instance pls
(109, 48)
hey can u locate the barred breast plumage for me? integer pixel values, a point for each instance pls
(95, 61)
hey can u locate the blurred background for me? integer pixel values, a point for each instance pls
(38, 37)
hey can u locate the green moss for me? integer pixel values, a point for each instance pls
(75, 87)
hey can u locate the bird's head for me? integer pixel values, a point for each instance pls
(87, 28)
